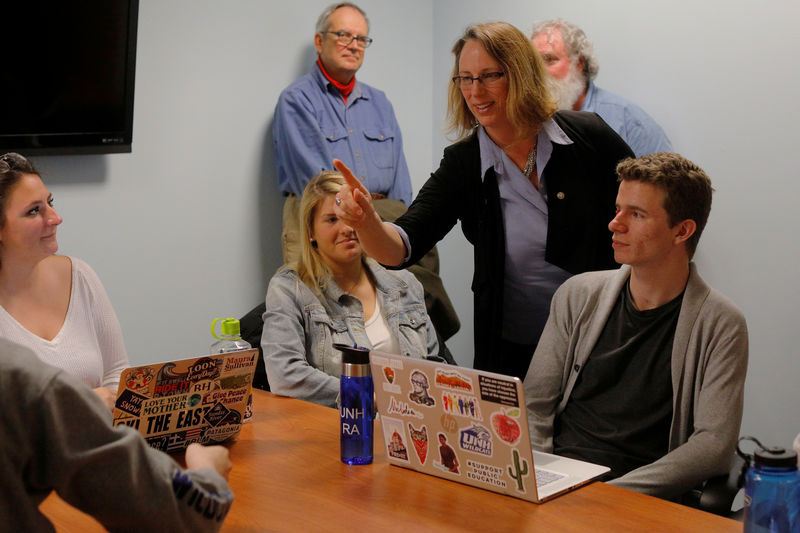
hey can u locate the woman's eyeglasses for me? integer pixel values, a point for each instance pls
(488, 79)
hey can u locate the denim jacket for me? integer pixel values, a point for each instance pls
(300, 329)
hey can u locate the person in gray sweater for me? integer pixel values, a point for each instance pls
(642, 369)
(57, 436)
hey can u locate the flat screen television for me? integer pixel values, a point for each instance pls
(67, 76)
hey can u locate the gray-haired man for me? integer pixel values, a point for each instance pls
(570, 59)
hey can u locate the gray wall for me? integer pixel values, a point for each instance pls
(186, 228)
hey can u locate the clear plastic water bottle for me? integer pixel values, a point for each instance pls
(771, 490)
(231, 341)
(356, 409)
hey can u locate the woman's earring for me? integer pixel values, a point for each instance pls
(313, 244)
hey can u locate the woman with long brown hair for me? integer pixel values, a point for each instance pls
(53, 304)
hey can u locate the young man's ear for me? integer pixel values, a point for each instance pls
(684, 230)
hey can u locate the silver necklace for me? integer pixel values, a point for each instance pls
(530, 164)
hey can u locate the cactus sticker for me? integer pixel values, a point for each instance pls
(519, 471)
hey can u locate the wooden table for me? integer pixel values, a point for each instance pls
(287, 476)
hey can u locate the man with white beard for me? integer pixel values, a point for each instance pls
(570, 59)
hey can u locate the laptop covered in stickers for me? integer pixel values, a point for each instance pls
(469, 426)
(175, 403)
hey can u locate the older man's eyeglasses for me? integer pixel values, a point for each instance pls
(488, 79)
(345, 38)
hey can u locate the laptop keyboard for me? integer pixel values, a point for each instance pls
(545, 477)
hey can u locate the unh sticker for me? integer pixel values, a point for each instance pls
(476, 439)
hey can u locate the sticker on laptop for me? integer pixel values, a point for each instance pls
(389, 369)
(132, 421)
(453, 380)
(506, 426)
(518, 470)
(226, 396)
(461, 405)
(398, 407)
(483, 473)
(138, 378)
(448, 460)
(392, 362)
(130, 402)
(419, 437)
(449, 423)
(497, 390)
(476, 439)
(419, 389)
(394, 435)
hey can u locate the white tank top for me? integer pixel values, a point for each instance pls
(378, 332)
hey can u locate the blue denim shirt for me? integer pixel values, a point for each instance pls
(300, 329)
(313, 125)
(637, 128)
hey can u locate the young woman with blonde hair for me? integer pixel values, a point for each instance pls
(335, 294)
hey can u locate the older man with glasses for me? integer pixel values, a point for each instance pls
(327, 114)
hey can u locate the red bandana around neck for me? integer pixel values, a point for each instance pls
(344, 90)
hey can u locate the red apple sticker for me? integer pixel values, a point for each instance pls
(506, 428)
(389, 373)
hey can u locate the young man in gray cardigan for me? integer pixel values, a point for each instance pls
(642, 369)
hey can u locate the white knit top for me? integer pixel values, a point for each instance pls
(89, 345)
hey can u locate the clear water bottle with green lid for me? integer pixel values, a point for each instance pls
(230, 339)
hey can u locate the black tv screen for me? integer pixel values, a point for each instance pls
(67, 76)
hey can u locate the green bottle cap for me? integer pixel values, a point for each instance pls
(228, 327)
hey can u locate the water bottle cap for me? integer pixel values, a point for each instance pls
(227, 326)
(353, 355)
(775, 457)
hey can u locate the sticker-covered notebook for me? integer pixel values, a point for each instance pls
(176, 403)
(469, 426)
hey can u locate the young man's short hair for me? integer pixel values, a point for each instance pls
(686, 186)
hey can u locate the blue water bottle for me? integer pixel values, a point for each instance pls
(771, 490)
(356, 405)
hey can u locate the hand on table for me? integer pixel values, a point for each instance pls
(107, 395)
(215, 457)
